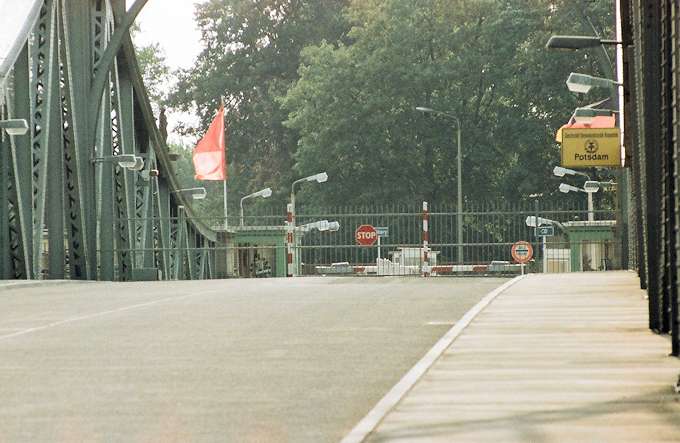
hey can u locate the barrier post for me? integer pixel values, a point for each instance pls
(426, 241)
(289, 241)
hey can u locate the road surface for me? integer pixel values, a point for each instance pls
(262, 360)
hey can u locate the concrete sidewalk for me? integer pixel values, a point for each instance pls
(554, 358)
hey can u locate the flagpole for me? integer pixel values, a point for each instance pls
(226, 219)
(225, 205)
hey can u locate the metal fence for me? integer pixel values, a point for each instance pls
(486, 237)
(323, 242)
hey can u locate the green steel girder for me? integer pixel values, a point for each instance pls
(164, 226)
(54, 193)
(22, 161)
(45, 122)
(86, 100)
(79, 173)
(181, 245)
(6, 271)
(145, 214)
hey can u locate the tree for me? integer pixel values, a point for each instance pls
(483, 61)
(250, 59)
(155, 71)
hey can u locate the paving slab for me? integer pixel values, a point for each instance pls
(554, 358)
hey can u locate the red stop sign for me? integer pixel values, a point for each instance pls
(366, 235)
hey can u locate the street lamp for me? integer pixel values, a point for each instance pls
(15, 126)
(583, 42)
(194, 193)
(264, 193)
(583, 83)
(559, 171)
(321, 177)
(574, 42)
(127, 161)
(459, 209)
(590, 190)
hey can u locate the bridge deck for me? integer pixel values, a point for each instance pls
(554, 358)
(234, 360)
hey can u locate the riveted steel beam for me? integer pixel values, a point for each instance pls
(22, 165)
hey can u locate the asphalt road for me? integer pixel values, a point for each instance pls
(275, 360)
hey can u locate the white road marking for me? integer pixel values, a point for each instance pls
(371, 421)
(98, 314)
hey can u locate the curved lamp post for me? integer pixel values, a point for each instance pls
(559, 171)
(590, 190)
(321, 177)
(459, 208)
(264, 193)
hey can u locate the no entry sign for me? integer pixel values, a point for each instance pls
(366, 235)
(522, 252)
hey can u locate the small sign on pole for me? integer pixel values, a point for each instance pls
(545, 231)
(522, 252)
(383, 231)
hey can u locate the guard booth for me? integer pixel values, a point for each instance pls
(251, 252)
(592, 245)
(583, 246)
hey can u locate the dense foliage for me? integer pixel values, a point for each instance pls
(332, 85)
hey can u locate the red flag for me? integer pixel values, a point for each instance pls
(209, 158)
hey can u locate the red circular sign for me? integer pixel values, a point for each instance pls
(522, 252)
(366, 235)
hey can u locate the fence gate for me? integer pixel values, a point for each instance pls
(437, 240)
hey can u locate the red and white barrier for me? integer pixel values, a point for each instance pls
(290, 239)
(426, 241)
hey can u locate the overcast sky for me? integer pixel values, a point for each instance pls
(171, 24)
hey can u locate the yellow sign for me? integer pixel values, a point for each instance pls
(588, 147)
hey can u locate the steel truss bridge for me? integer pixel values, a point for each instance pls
(68, 68)
(651, 50)
(69, 210)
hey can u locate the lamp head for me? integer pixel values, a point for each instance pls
(591, 186)
(16, 126)
(195, 193)
(198, 193)
(130, 162)
(265, 193)
(572, 42)
(565, 188)
(579, 83)
(424, 109)
(559, 171)
(319, 178)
